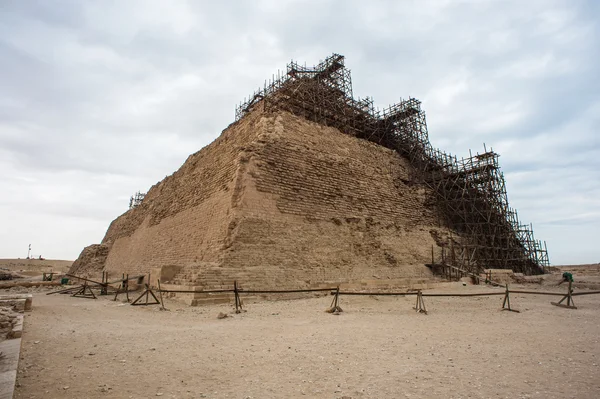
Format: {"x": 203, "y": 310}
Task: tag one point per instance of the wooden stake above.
{"x": 420, "y": 304}
{"x": 84, "y": 292}
{"x": 506, "y": 303}
{"x": 162, "y": 304}
{"x": 123, "y": 288}
{"x": 146, "y": 293}
{"x": 569, "y": 297}
{"x": 104, "y": 286}
{"x": 236, "y": 298}
{"x": 335, "y": 307}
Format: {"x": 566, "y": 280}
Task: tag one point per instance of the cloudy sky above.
{"x": 99, "y": 99}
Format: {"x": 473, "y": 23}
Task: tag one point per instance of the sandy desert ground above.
{"x": 377, "y": 348}
{"x": 33, "y": 267}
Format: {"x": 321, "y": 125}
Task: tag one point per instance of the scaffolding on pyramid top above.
{"x": 136, "y": 199}
{"x": 469, "y": 192}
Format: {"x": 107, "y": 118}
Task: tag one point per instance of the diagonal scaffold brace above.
{"x": 84, "y": 292}
{"x": 420, "y": 304}
{"x": 335, "y": 303}
{"x": 123, "y": 288}
{"x": 569, "y": 297}
{"x": 506, "y": 303}
{"x": 65, "y": 291}
{"x": 147, "y": 293}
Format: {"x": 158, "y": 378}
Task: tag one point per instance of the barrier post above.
{"x": 162, "y": 303}
{"x": 335, "y": 307}
{"x": 84, "y": 292}
{"x": 104, "y": 287}
{"x": 147, "y": 294}
{"x": 147, "y": 288}
{"x": 236, "y": 295}
{"x": 123, "y": 288}
{"x": 420, "y": 304}
{"x": 569, "y": 297}
{"x": 506, "y": 303}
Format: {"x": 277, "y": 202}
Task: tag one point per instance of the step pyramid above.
{"x": 309, "y": 188}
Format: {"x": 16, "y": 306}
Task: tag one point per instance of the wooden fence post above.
{"x": 162, "y": 303}
{"x": 335, "y": 307}
{"x": 420, "y": 304}
{"x": 569, "y": 297}
{"x": 506, "y": 303}
{"x": 236, "y": 295}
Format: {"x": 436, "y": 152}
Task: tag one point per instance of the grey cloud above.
{"x": 100, "y": 99}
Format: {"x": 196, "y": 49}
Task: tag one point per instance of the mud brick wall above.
{"x": 184, "y": 218}
{"x": 280, "y": 201}
{"x": 320, "y": 173}
{"x": 321, "y": 206}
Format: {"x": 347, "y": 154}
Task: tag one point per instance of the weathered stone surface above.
{"x": 277, "y": 201}
{"x": 91, "y": 260}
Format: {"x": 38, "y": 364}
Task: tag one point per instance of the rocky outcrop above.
{"x": 91, "y": 261}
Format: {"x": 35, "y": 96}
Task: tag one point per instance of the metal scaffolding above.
{"x": 136, "y": 200}
{"x": 469, "y": 192}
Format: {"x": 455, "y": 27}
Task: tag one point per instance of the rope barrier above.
{"x": 335, "y": 291}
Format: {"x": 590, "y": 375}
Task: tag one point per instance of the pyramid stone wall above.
{"x": 321, "y": 206}
{"x": 184, "y": 218}
{"x": 280, "y": 202}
